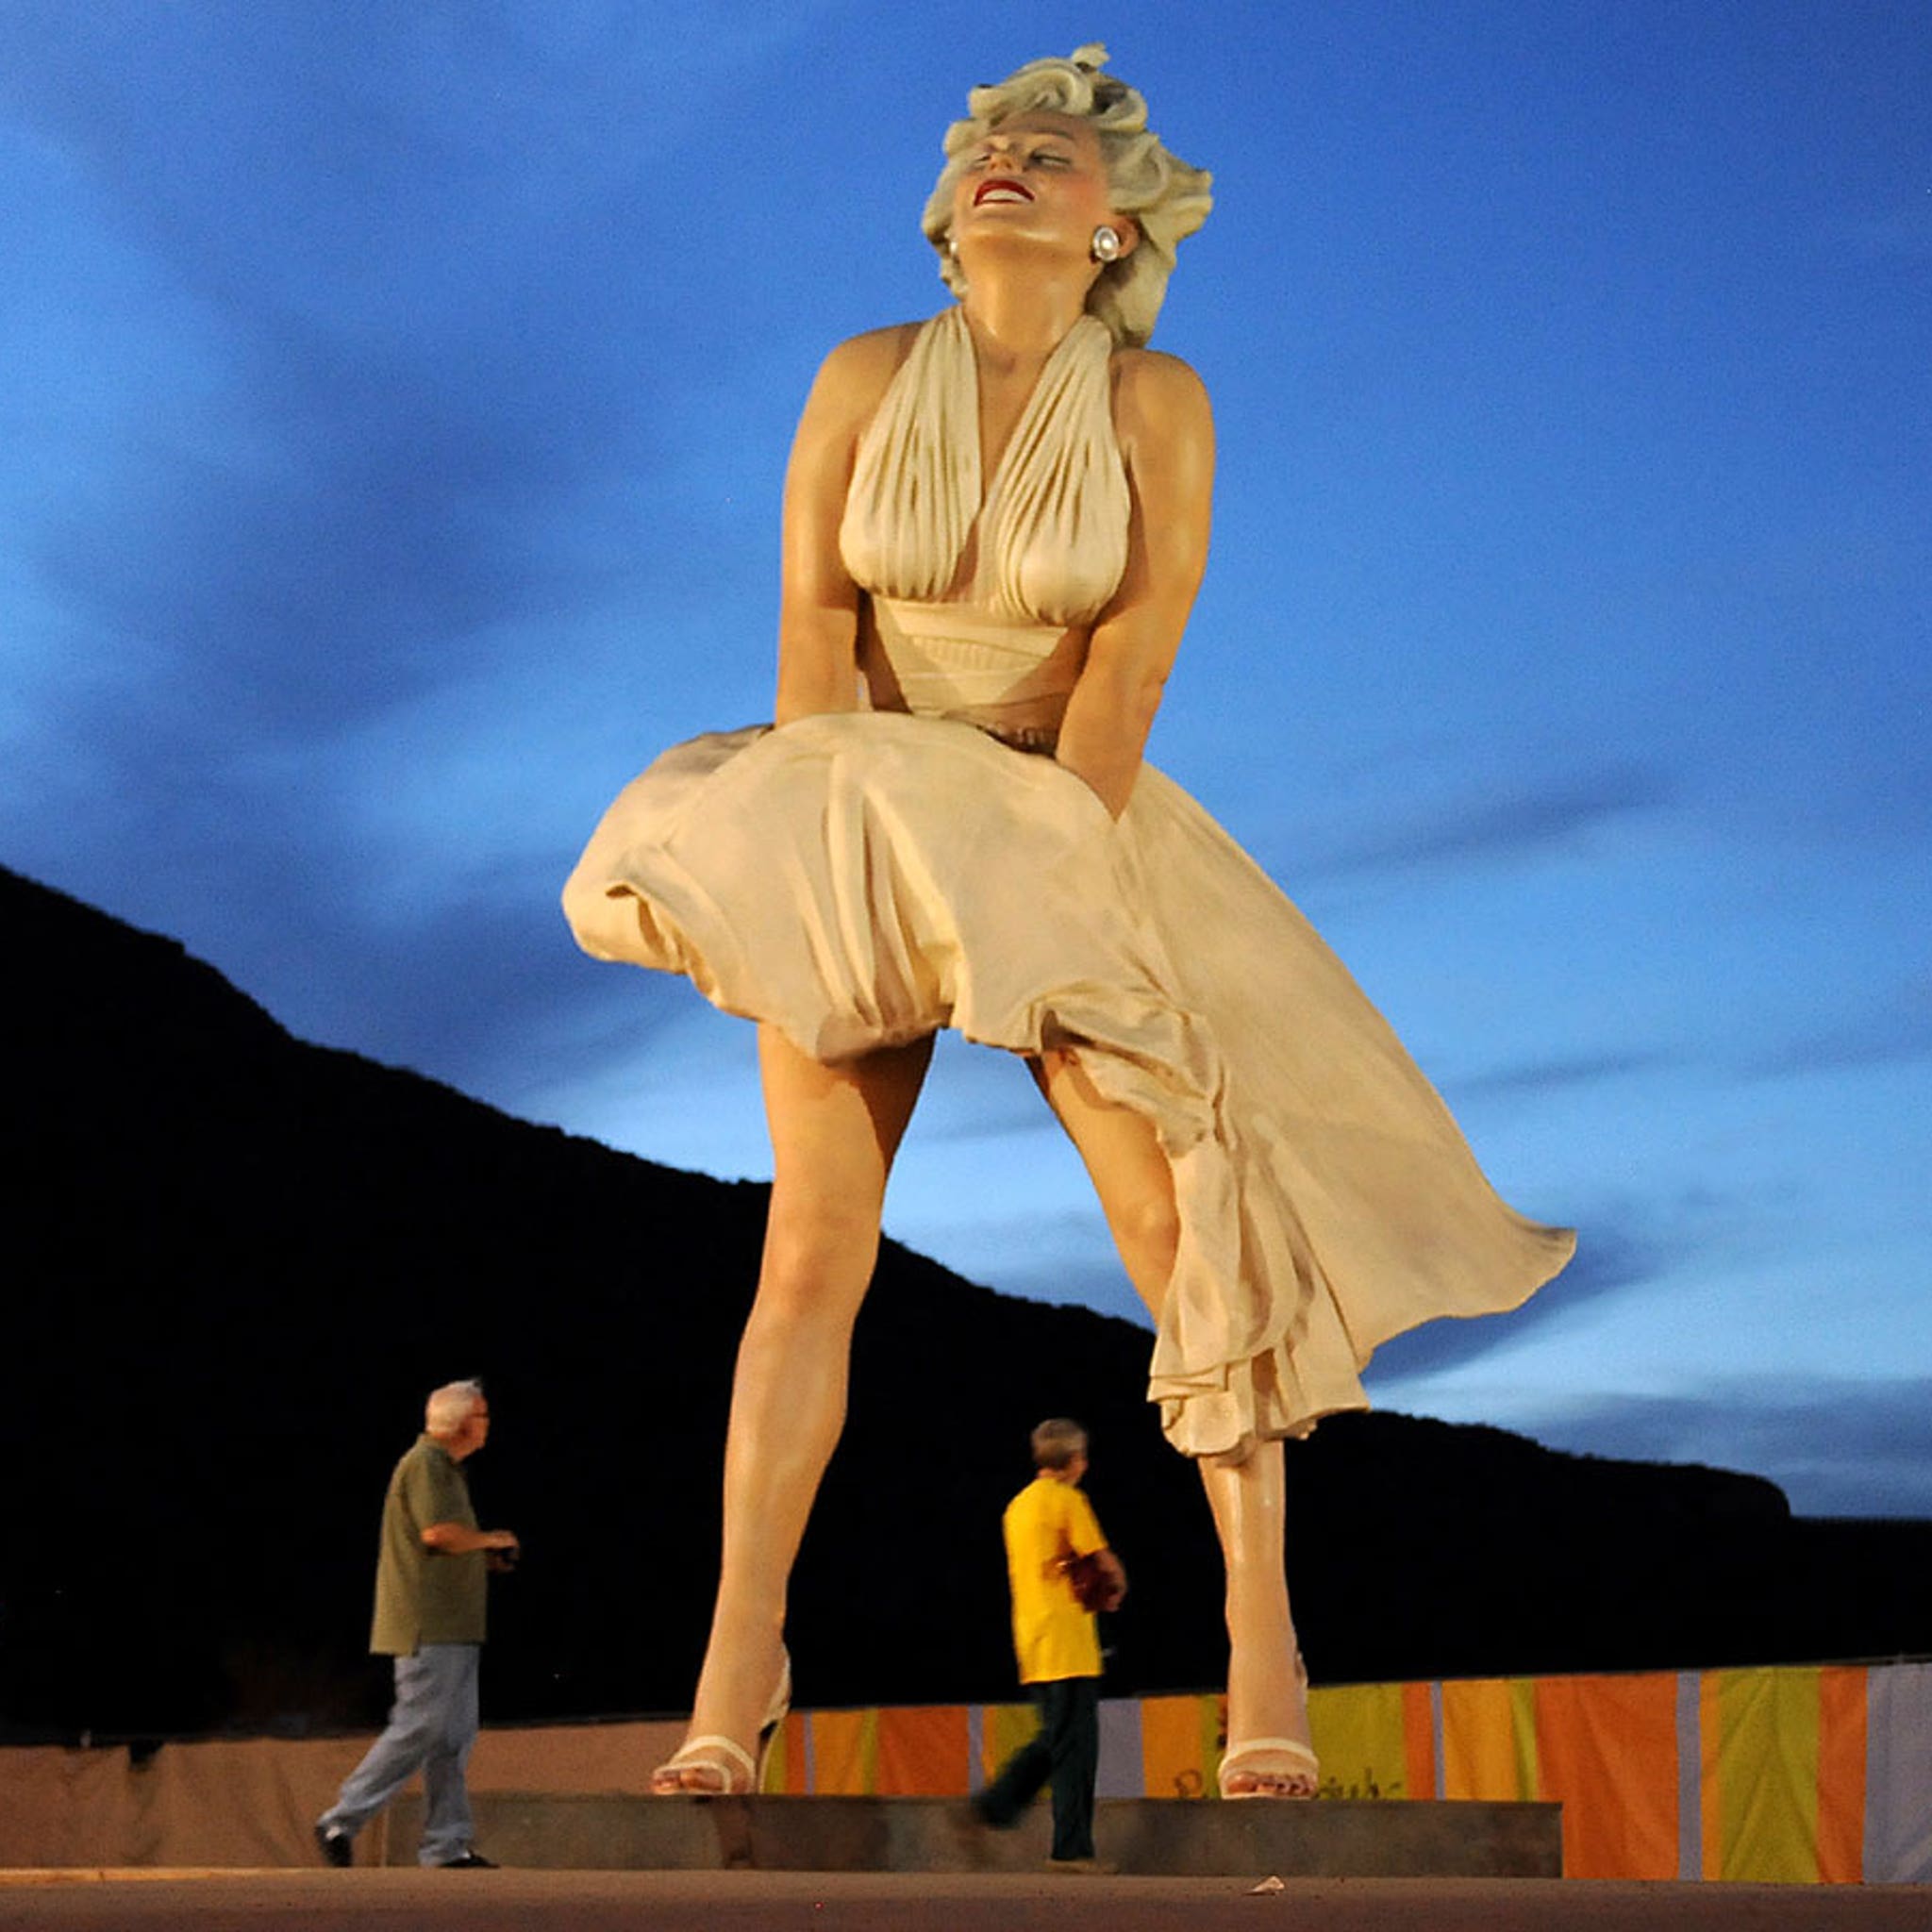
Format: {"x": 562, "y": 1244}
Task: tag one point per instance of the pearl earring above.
{"x": 1106, "y": 244}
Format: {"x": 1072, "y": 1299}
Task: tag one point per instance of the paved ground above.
{"x": 405, "y": 1901}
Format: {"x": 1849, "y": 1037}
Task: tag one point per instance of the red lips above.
{"x": 1001, "y": 183}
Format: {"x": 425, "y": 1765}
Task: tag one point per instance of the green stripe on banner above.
{"x": 1765, "y": 1774}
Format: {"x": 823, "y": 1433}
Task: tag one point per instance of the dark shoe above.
{"x": 470, "y": 1862}
{"x": 336, "y": 1845}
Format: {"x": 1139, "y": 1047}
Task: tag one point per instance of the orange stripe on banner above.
{"x": 1607, "y": 1750}
{"x": 1419, "y": 1739}
{"x": 1842, "y": 1774}
{"x": 923, "y": 1752}
{"x": 1172, "y": 1749}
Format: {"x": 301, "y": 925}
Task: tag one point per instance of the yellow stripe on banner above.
{"x": 1710, "y": 1790}
{"x": 1176, "y": 1755}
{"x": 1760, "y": 1775}
{"x": 845, "y": 1752}
{"x": 1003, "y": 1729}
{"x": 1489, "y": 1740}
{"x": 1363, "y": 1740}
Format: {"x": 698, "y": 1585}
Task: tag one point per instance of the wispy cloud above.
{"x": 379, "y": 445}
{"x": 1552, "y": 1076}
{"x": 1520, "y": 820}
{"x": 1834, "y": 1447}
{"x": 1893, "y": 1030}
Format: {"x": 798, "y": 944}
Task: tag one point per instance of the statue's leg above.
{"x": 835, "y": 1130}
{"x": 1124, "y": 1159}
{"x": 1266, "y": 1687}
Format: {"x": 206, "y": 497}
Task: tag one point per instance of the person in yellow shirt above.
{"x": 1050, "y": 1528}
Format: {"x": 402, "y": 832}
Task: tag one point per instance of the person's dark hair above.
{"x": 1056, "y": 1442}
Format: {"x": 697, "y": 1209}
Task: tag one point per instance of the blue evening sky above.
{"x": 394, "y": 399}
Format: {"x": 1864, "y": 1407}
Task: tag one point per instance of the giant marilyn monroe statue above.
{"x": 995, "y": 522}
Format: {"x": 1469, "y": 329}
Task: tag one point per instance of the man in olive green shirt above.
{"x": 430, "y": 1591}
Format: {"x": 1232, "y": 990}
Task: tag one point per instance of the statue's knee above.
{"x": 812, "y": 1259}
{"x": 1153, "y": 1230}
{"x": 1161, "y": 1221}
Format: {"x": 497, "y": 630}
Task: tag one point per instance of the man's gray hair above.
{"x": 449, "y": 1406}
{"x": 1056, "y": 1442}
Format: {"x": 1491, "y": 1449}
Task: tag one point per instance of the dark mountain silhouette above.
{"x": 232, "y": 1264}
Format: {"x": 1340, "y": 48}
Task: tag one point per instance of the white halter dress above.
{"x": 863, "y": 879}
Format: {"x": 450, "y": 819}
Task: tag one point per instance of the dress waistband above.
{"x": 948, "y": 658}
{"x": 960, "y": 661}
{"x": 966, "y": 624}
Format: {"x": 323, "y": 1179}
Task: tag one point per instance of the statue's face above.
{"x": 1038, "y": 177}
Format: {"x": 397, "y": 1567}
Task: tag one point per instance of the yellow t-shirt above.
{"x": 1053, "y": 1637}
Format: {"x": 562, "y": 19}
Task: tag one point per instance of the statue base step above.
{"x": 1323, "y": 1837}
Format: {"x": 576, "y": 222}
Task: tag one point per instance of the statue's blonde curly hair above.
{"x": 1168, "y": 199}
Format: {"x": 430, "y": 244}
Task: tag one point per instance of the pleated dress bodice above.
{"x": 980, "y": 590}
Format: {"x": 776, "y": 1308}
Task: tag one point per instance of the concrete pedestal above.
{"x": 1162, "y": 1838}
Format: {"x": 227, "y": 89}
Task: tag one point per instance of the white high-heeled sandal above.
{"x": 1302, "y": 1780}
{"x": 727, "y": 1769}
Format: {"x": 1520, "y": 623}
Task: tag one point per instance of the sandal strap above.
{"x": 1302, "y": 1768}
{"x": 1289, "y": 1747}
{"x": 707, "y": 1753}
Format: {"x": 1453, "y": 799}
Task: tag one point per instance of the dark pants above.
{"x": 1066, "y": 1749}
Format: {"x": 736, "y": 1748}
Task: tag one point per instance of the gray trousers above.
{"x": 431, "y": 1727}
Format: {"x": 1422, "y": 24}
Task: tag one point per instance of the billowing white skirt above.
{"x": 865, "y": 878}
